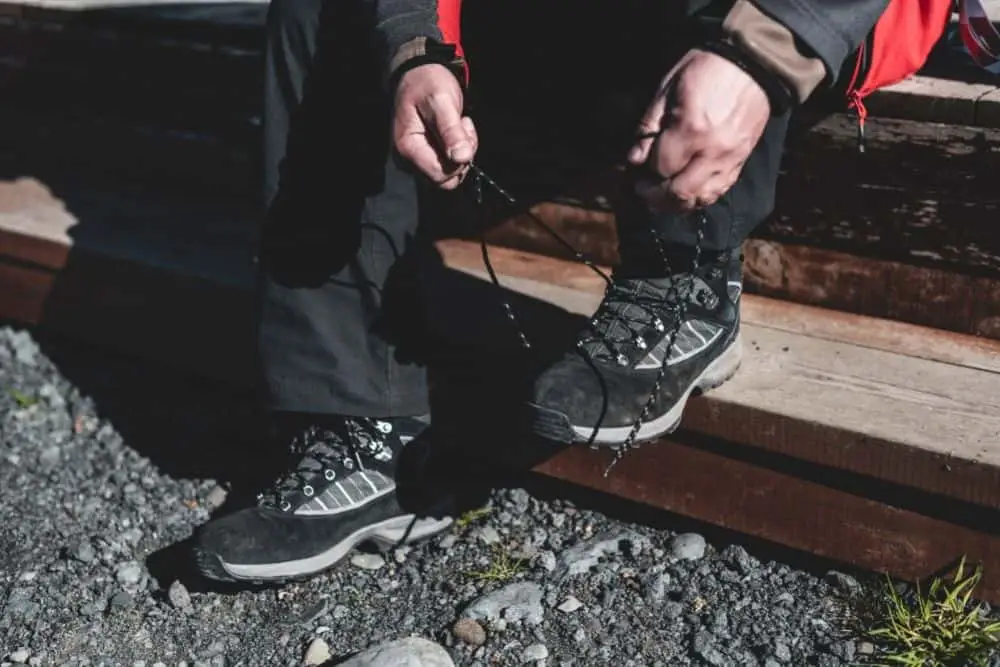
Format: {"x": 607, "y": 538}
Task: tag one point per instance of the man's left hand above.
{"x": 698, "y": 131}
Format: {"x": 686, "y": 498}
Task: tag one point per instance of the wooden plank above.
{"x": 197, "y": 325}
{"x": 136, "y": 274}
{"x": 914, "y": 422}
{"x": 891, "y": 336}
{"x": 920, "y": 295}
{"x": 679, "y": 476}
{"x": 929, "y": 297}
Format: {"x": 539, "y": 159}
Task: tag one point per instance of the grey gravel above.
{"x": 107, "y": 466}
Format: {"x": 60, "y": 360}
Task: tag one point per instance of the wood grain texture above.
{"x": 864, "y": 331}
{"x": 706, "y": 485}
{"x": 914, "y": 422}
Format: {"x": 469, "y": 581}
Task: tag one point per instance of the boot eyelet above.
{"x": 641, "y": 343}
{"x": 285, "y": 506}
{"x": 308, "y": 491}
{"x": 383, "y": 427}
{"x": 330, "y": 475}
{"x": 349, "y": 464}
{"x": 622, "y": 360}
{"x": 658, "y": 325}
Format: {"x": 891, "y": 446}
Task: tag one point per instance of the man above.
{"x": 365, "y": 107}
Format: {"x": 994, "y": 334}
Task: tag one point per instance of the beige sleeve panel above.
{"x": 774, "y": 46}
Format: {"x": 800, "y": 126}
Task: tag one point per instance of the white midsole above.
{"x": 385, "y": 533}
{"x": 721, "y": 369}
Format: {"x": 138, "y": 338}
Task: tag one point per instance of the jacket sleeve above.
{"x": 805, "y": 42}
{"x": 416, "y": 32}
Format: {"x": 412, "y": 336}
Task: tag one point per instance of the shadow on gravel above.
{"x": 191, "y": 428}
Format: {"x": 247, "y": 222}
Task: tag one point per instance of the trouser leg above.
{"x": 339, "y": 215}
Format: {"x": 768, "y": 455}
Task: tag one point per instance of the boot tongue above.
{"x": 630, "y": 306}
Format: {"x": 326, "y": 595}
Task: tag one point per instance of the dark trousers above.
{"x": 343, "y": 214}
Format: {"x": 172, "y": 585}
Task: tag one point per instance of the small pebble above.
{"x": 317, "y": 653}
{"x": 129, "y": 573}
{"x": 488, "y": 535}
{"x": 216, "y": 498}
{"x": 689, "y": 546}
{"x": 368, "y": 561}
{"x": 179, "y": 597}
{"x": 569, "y": 605}
{"x": 469, "y": 631}
{"x": 83, "y": 551}
{"x": 535, "y": 652}
{"x": 20, "y": 656}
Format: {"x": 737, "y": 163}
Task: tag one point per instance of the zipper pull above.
{"x": 862, "y": 113}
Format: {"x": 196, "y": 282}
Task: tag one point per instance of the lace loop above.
{"x": 319, "y": 450}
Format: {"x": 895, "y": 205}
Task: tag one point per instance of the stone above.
{"x": 317, "y": 653}
{"x": 469, "y": 631}
{"x": 407, "y": 652}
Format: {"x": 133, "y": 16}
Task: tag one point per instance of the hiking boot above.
{"x": 596, "y": 392}
{"x": 349, "y": 481}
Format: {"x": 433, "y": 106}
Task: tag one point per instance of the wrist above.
{"x": 423, "y": 51}
{"x": 779, "y": 95}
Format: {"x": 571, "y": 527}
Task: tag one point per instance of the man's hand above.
{"x": 429, "y": 129}
{"x": 698, "y": 132}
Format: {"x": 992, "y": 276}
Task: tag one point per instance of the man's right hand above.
{"x": 429, "y": 129}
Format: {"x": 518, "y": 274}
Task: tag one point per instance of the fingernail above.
{"x": 459, "y": 151}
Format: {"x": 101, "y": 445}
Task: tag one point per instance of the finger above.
{"x": 649, "y": 127}
{"x": 693, "y": 180}
{"x": 472, "y": 133}
{"x": 417, "y": 149}
{"x": 445, "y": 118}
{"x": 672, "y": 151}
{"x": 720, "y": 185}
{"x": 454, "y": 181}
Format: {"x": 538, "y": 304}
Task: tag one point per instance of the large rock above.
{"x": 408, "y": 652}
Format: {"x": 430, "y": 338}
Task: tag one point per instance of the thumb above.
{"x": 451, "y": 131}
{"x": 648, "y": 130}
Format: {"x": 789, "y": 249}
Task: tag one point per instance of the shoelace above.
{"x": 320, "y": 450}
{"x": 618, "y": 314}
{"x": 480, "y": 178}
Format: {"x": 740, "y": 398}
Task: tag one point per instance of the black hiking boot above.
{"x": 597, "y": 391}
{"x": 350, "y": 481}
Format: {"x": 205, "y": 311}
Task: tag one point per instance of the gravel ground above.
{"x": 106, "y": 466}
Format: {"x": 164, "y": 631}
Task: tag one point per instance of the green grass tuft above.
{"x": 943, "y": 628}
{"x": 503, "y": 567}
{"x": 23, "y": 400}
{"x": 470, "y": 517}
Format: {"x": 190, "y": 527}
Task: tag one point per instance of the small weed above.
{"x": 939, "y": 629}
{"x": 470, "y": 517}
{"x": 23, "y": 400}
{"x": 502, "y": 567}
